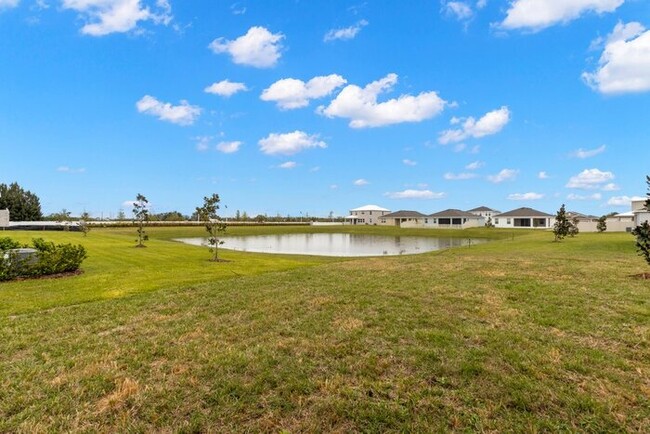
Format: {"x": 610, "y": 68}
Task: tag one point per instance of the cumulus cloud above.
{"x": 288, "y": 165}
{"x": 610, "y": 187}
{"x": 525, "y": 196}
{"x": 258, "y": 48}
{"x": 361, "y": 107}
{"x": 415, "y": 194}
{"x": 408, "y": 162}
{"x": 590, "y": 179}
{"x": 623, "y": 200}
{"x": 104, "y": 17}
{"x": 183, "y": 114}
{"x": 624, "y": 66}
{"x": 346, "y": 33}
{"x": 460, "y": 10}
{"x": 475, "y": 165}
{"x": 542, "y": 175}
{"x": 229, "y": 147}
{"x": 290, "y": 93}
{"x": 225, "y": 88}
{"x": 504, "y": 175}
{"x": 459, "y": 176}
{"x": 587, "y": 153}
{"x": 289, "y": 143}
{"x": 490, "y": 123}
{"x": 537, "y": 15}
{"x": 360, "y": 182}
{"x": 595, "y": 196}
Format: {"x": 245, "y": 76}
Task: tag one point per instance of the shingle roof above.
{"x": 453, "y": 213}
{"x": 524, "y": 212}
{"x": 370, "y": 208}
{"x": 404, "y": 214}
{"x": 482, "y": 208}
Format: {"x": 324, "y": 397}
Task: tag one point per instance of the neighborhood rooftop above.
{"x": 404, "y": 214}
{"x": 524, "y": 212}
{"x": 481, "y": 208}
{"x": 370, "y": 208}
{"x": 453, "y": 213}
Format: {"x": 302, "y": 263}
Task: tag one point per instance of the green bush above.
{"x": 7, "y": 243}
{"x": 50, "y": 259}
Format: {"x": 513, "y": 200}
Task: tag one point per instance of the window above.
{"x": 426, "y": 221}
{"x": 496, "y": 221}
{"x": 370, "y": 213}
{"x": 508, "y": 221}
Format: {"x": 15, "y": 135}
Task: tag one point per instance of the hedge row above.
{"x": 49, "y": 259}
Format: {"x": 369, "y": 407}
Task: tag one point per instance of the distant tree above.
{"x": 141, "y": 215}
{"x": 642, "y": 232}
{"x": 260, "y": 218}
{"x": 213, "y": 223}
{"x": 83, "y": 223}
{"x": 237, "y": 216}
{"x": 244, "y": 216}
{"x": 601, "y": 226}
{"x": 562, "y": 224}
{"x": 488, "y": 223}
{"x": 171, "y": 216}
{"x": 120, "y": 215}
{"x": 23, "y": 205}
{"x": 573, "y": 229}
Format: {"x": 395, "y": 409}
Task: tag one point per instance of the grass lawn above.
{"x": 517, "y": 335}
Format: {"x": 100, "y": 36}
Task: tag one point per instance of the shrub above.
{"x": 7, "y": 243}
{"x": 50, "y": 259}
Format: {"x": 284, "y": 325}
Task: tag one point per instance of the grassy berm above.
{"x": 521, "y": 334}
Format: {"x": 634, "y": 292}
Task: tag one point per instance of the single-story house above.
{"x": 454, "y": 218}
{"x": 365, "y": 215}
{"x": 586, "y": 223}
{"x": 524, "y": 218}
{"x": 403, "y": 219}
{"x": 484, "y": 211}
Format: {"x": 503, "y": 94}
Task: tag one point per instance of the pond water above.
{"x": 335, "y": 244}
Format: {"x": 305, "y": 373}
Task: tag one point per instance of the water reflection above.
{"x": 336, "y": 244}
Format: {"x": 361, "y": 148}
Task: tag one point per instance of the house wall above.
{"x": 4, "y": 218}
{"x": 638, "y": 205}
{"x": 369, "y": 217}
{"x": 412, "y": 223}
{"x": 509, "y": 222}
{"x": 620, "y": 224}
{"x": 466, "y": 222}
{"x": 642, "y": 217}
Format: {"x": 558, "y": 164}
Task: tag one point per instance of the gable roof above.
{"x": 454, "y": 213}
{"x": 482, "y": 208}
{"x": 404, "y": 214}
{"x": 524, "y": 212}
{"x": 370, "y": 208}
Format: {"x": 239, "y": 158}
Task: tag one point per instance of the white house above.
{"x": 641, "y": 213}
{"x": 484, "y": 211}
{"x": 454, "y": 218}
{"x": 403, "y": 219}
{"x": 524, "y": 218}
{"x": 4, "y": 218}
{"x": 366, "y": 215}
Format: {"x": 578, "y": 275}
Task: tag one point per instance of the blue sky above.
{"x": 314, "y": 106}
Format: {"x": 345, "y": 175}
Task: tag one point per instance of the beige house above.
{"x": 454, "y": 218}
{"x": 403, "y": 219}
{"x": 524, "y": 218}
{"x": 641, "y": 213}
{"x": 4, "y": 218}
{"x": 484, "y": 211}
{"x": 365, "y": 215}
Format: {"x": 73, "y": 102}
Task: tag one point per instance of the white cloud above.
{"x": 543, "y": 175}
{"x": 525, "y": 196}
{"x": 289, "y": 143}
{"x": 415, "y": 194}
{"x": 104, "y": 17}
{"x": 475, "y": 165}
{"x": 480, "y": 4}
{"x": 539, "y": 14}
{"x": 288, "y": 165}
{"x": 345, "y": 33}
{"x": 361, "y": 106}
{"x": 458, "y": 9}
{"x": 624, "y": 66}
{"x": 408, "y": 162}
{"x": 229, "y": 147}
{"x": 360, "y": 182}
{"x": 183, "y": 114}
{"x": 8, "y": 4}
{"x": 623, "y": 200}
{"x": 491, "y": 123}
{"x": 258, "y": 47}
{"x": 225, "y": 88}
{"x": 590, "y": 179}
{"x": 587, "y": 153}
{"x": 67, "y": 169}
{"x": 595, "y": 196}
{"x": 459, "y": 176}
{"x": 290, "y": 93}
{"x": 610, "y": 187}
{"x": 504, "y": 175}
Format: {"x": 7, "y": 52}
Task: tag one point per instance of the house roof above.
{"x": 579, "y": 215}
{"x": 524, "y": 212}
{"x": 370, "y": 208}
{"x": 404, "y": 214}
{"x": 482, "y": 208}
{"x": 454, "y": 213}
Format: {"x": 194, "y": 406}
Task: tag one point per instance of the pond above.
{"x": 336, "y": 244}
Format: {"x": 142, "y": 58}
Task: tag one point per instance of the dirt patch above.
{"x": 643, "y": 276}
{"x": 124, "y": 390}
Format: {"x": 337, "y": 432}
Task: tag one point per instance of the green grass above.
{"x": 517, "y": 335}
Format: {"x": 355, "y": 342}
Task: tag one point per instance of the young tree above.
{"x": 562, "y": 224}
{"x": 141, "y": 215}
{"x": 573, "y": 229}
{"x": 213, "y": 223}
{"x": 83, "y": 223}
{"x": 488, "y": 223}
{"x": 601, "y": 226}
{"x": 642, "y": 232}
{"x": 120, "y": 215}
{"x": 23, "y": 205}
